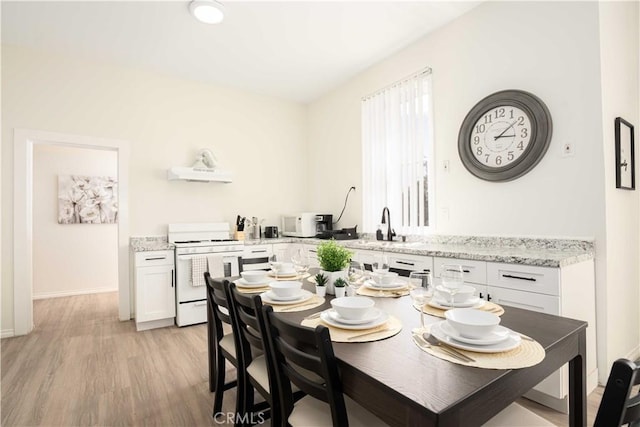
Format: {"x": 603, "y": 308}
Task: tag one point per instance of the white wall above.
{"x": 553, "y": 50}
{"x": 619, "y": 320}
{"x": 260, "y": 139}
{"x": 70, "y": 259}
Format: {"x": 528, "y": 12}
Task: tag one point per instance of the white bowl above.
{"x": 256, "y": 276}
{"x": 285, "y": 289}
{"x": 352, "y": 308}
{"x": 384, "y": 277}
{"x": 285, "y": 268}
{"x": 463, "y": 294}
{"x": 471, "y": 323}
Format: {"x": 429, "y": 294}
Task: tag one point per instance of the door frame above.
{"x": 24, "y": 141}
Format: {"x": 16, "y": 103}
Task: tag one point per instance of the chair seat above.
{"x": 309, "y": 411}
{"x": 516, "y": 415}
{"x": 228, "y": 345}
{"x": 258, "y": 371}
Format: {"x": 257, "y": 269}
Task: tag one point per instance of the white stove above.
{"x": 201, "y": 247}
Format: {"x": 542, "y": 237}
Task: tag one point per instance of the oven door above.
{"x": 185, "y": 291}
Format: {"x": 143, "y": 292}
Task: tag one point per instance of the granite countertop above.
{"x": 542, "y": 252}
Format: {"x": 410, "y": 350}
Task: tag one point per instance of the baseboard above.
{"x": 7, "y": 333}
{"x": 46, "y": 295}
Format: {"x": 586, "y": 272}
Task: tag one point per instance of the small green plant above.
{"x": 333, "y": 257}
{"x": 321, "y": 279}
{"x": 340, "y": 283}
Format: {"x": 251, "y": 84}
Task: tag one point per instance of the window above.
{"x": 397, "y": 149}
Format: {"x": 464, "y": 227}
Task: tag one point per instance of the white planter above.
{"x": 321, "y": 290}
{"x": 340, "y": 292}
{"x": 332, "y": 276}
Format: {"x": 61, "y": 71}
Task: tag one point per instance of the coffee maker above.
{"x": 324, "y": 224}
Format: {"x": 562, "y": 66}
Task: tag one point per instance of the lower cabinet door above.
{"x": 155, "y": 293}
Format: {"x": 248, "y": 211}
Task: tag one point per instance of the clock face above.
{"x": 504, "y": 135}
{"x": 501, "y": 136}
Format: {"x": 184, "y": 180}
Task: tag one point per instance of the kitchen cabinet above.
{"x": 154, "y": 282}
{"x": 403, "y": 264}
{"x": 256, "y": 257}
{"x": 475, "y": 273}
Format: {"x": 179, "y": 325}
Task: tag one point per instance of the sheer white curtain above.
{"x": 397, "y": 155}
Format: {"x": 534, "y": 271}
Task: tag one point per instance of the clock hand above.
{"x": 503, "y": 136}
{"x": 506, "y": 129}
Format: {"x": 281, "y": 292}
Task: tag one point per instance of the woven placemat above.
{"x": 390, "y": 328}
{"x": 313, "y": 302}
{"x": 437, "y": 312}
{"x": 368, "y": 292}
{"x": 528, "y": 353}
{"x": 259, "y": 290}
{"x": 296, "y": 277}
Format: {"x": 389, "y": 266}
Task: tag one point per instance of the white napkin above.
{"x": 198, "y": 267}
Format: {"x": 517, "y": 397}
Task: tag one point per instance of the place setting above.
{"x": 295, "y": 270}
{"x": 473, "y": 337}
{"x": 253, "y": 282}
{"x": 288, "y": 296}
{"x": 355, "y": 319}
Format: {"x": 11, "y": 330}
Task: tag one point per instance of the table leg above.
{"x": 578, "y": 385}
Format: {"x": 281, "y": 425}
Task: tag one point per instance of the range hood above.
{"x": 198, "y": 174}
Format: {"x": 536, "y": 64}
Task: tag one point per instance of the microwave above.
{"x": 300, "y": 225}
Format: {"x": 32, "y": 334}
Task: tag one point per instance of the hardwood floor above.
{"x": 81, "y": 366}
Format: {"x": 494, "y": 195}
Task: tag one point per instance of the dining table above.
{"x": 406, "y": 386}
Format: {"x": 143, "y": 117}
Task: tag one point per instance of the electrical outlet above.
{"x": 567, "y": 149}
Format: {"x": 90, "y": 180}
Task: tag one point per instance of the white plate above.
{"x": 390, "y": 287}
{"x": 244, "y": 284}
{"x": 475, "y": 302}
{"x": 375, "y": 313}
{"x": 326, "y": 317}
{"x": 513, "y": 340}
{"x": 274, "y": 297}
{"x": 305, "y": 295}
{"x": 499, "y": 334}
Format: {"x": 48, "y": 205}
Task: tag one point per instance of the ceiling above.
{"x": 295, "y": 50}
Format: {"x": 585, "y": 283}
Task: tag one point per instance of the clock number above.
{"x": 486, "y": 158}
{"x": 500, "y": 113}
{"x": 476, "y": 140}
{"x": 521, "y": 145}
{"x": 511, "y": 113}
{"x": 498, "y": 160}
{"x": 524, "y": 132}
{"x": 480, "y": 128}
{"x": 487, "y": 118}
{"x": 520, "y": 121}
{"x": 510, "y": 156}
{"x": 479, "y": 151}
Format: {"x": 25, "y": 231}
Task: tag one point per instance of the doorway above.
{"x": 24, "y": 141}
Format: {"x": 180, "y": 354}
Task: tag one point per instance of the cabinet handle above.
{"x": 489, "y": 297}
{"x": 466, "y": 271}
{"x": 313, "y": 250}
{"x": 172, "y": 276}
{"x": 511, "y": 276}
{"x": 258, "y": 251}
{"x": 405, "y": 263}
{"x": 155, "y": 258}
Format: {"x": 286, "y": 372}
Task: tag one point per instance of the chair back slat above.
{"x": 304, "y": 357}
{"x": 618, "y": 406}
{"x": 217, "y": 295}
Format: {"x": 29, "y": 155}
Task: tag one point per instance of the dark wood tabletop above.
{"x": 406, "y": 386}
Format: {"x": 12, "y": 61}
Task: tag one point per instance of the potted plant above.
{"x": 321, "y": 281}
{"x": 334, "y": 260}
{"x": 340, "y": 287}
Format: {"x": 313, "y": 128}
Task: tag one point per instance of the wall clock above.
{"x": 505, "y": 135}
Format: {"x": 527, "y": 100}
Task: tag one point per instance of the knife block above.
{"x": 238, "y": 235}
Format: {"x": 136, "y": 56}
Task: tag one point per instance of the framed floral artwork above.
{"x": 87, "y": 199}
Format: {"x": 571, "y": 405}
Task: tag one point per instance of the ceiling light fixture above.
{"x": 207, "y": 11}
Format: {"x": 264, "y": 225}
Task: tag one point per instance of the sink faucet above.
{"x": 387, "y": 220}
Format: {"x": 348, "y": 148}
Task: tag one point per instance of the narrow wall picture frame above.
{"x": 625, "y": 155}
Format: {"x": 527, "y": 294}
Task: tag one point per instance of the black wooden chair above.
{"x": 222, "y": 346}
{"x": 253, "y": 370}
{"x": 620, "y": 404}
{"x": 304, "y": 357}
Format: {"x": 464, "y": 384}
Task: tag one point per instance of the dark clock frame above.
{"x": 541, "y": 131}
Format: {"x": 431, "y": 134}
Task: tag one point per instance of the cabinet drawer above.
{"x": 408, "y": 263}
{"x": 542, "y": 280}
{"x": 526, "y": 300}
{"x": 257, "y": 251}
{"x": 191, "y": 313}
{"x": 152, "y": 258}
{"x": 474, "y": 271}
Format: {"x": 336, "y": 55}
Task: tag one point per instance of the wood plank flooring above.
{"x": 81, "y": 366}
